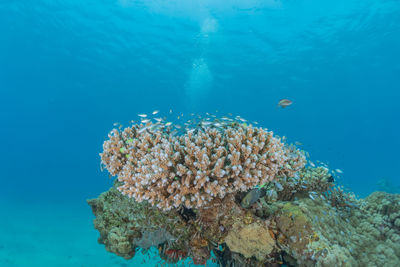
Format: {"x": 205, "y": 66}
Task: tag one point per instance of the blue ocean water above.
{"x": 70, "y": 69}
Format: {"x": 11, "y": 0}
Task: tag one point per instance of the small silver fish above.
{"x": 168, "y": 123}
{"x": 311, "y": 164}
{"x": 155, "y": 112}
{"x": 141, "y": 130}
{"x": 283, "y": 103}
{"x": 145, "y": 121}
{"x": 339, "y": 171}
{"x": 155, "y": 126}
{"x": 142, "y": 115}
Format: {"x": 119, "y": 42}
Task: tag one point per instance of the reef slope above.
{"x": 300, "y": 232}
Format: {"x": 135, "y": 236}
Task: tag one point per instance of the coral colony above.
{"x": 198, "y": 166}
{"x": 221, "y": 188}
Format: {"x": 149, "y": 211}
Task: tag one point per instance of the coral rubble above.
{"x": 182, "y": 195}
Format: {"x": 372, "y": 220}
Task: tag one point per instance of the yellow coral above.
{"x": 251, "y": 240}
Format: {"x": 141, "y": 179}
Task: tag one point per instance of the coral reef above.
{"x": 301, "y": 232}
{"x": 197, "y": 166}
{"x": 272, "y": 211}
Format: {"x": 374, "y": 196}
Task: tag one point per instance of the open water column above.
{"x": 252, "y": 133}
{"x": 199, "y": 83}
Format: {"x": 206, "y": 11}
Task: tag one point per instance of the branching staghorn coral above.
{"x": 197, "y": 166}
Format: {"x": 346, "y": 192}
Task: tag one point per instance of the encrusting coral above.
{"x": 197, "y": 166}
{"x": 251, "y": 240}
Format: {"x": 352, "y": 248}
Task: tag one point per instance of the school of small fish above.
{"x": 210, "y": 120}
{"x": 194, "y": 123}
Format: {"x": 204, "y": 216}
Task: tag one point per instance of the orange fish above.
{"x": 283, "y": 103}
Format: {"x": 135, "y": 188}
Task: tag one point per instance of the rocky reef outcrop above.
{"x": 304, "y": 221}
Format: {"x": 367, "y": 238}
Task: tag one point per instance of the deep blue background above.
{"x": 70, "y": 69}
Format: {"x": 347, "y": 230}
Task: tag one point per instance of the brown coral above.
{"x": 194, "y": 168}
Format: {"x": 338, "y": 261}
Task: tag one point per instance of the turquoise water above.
{"x": 70, "y": 69}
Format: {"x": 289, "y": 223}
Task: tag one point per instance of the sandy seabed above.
{"x": 56, "y": 234}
